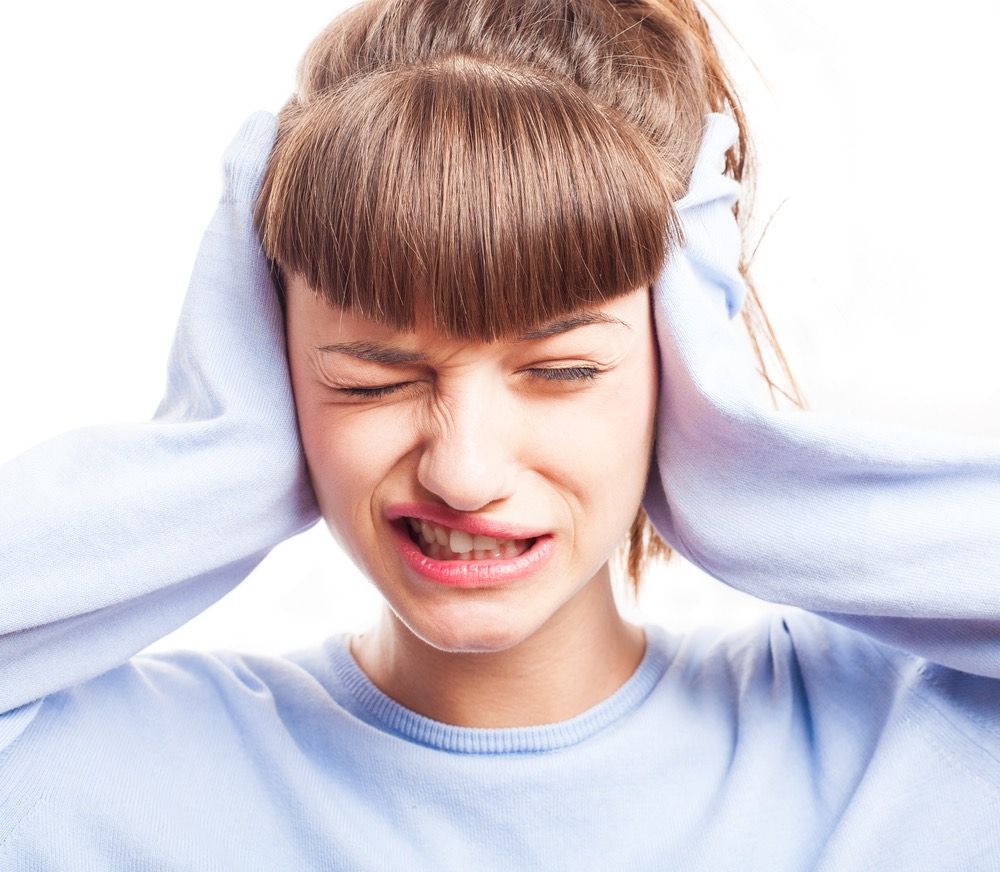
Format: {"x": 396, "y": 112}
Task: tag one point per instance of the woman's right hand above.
{"x": 112, "y": 536}
{"x": 228, "y": 371}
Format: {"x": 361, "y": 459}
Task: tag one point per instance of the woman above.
{"x": 508, "y": 269}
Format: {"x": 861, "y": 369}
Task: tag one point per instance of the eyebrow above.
{"x": 390, "y": 355}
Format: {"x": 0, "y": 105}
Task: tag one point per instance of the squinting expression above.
{"x": 552, "y": 433}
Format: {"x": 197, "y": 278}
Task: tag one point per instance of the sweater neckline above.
{"x": 385, "y": 712}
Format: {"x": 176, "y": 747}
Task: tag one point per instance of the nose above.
{"x": 469, "y": 457}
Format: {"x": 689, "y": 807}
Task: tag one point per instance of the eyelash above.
{"x": 564, "y": 373}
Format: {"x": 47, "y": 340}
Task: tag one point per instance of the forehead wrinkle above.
{"x": 390, "y": 355}
{"x": 571, "y": 322}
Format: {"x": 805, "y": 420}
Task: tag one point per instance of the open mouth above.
{"x": 439, "y": 544}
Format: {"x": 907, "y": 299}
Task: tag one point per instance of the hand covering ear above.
{"x": 113, "y": 536}
{"x": 890, "y": 531}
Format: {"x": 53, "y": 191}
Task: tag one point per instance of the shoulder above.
{"x": 224, "y": 684}
{"x": 788, "y": 651}
{"x": 853, "y": 677}
{"x": 95, "y": 756}
{"x": 830, "y": 672}
{"x": 171, "y": 698}
{"x": 802, "y": 683}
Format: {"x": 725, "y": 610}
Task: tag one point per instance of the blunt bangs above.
{"x": 480, "y": 198}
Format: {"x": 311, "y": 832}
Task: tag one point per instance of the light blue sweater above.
{"x": 860, "y": 731}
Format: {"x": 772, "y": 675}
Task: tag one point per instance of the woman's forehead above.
{"x": 614, "y": 324}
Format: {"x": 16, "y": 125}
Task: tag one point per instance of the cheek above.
{"x": 619, "y": 439}
{"x": 596, "y": 453}
{"x": 345, "y": 462}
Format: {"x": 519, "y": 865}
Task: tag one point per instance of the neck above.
{"x": 578, "y": 658}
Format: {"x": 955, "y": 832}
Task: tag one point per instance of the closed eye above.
{"x": 566, "y": 373}
{"x": 563, "y": 373}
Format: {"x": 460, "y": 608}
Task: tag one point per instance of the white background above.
{"x": 874, "y": 125}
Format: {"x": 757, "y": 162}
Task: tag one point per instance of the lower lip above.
{"x": 471, "y": 573}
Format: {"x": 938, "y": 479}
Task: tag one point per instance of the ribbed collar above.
{"x": 385, "y": 712}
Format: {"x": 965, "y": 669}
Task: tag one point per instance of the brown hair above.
{"x": 500, "y": 162}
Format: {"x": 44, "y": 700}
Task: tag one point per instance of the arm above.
{"x": 113, "y": 536}
{"x": 891, "y": 532}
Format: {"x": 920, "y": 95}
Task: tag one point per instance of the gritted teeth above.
{"x": 444, "y": 543}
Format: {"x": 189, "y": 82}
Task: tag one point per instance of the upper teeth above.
{"x": 457, "y": 540}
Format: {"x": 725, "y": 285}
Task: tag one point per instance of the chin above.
{"x": 468, "y": 628}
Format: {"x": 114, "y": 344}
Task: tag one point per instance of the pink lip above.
{"x": 471, "y": 524}
{"x": 471, "y": 573}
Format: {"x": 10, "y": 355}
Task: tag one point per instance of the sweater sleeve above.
{"x": 113, "y": 536}
{"x": 890, "y": 531}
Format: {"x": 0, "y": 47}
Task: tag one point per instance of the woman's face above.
{"x": 475, "y": 428}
